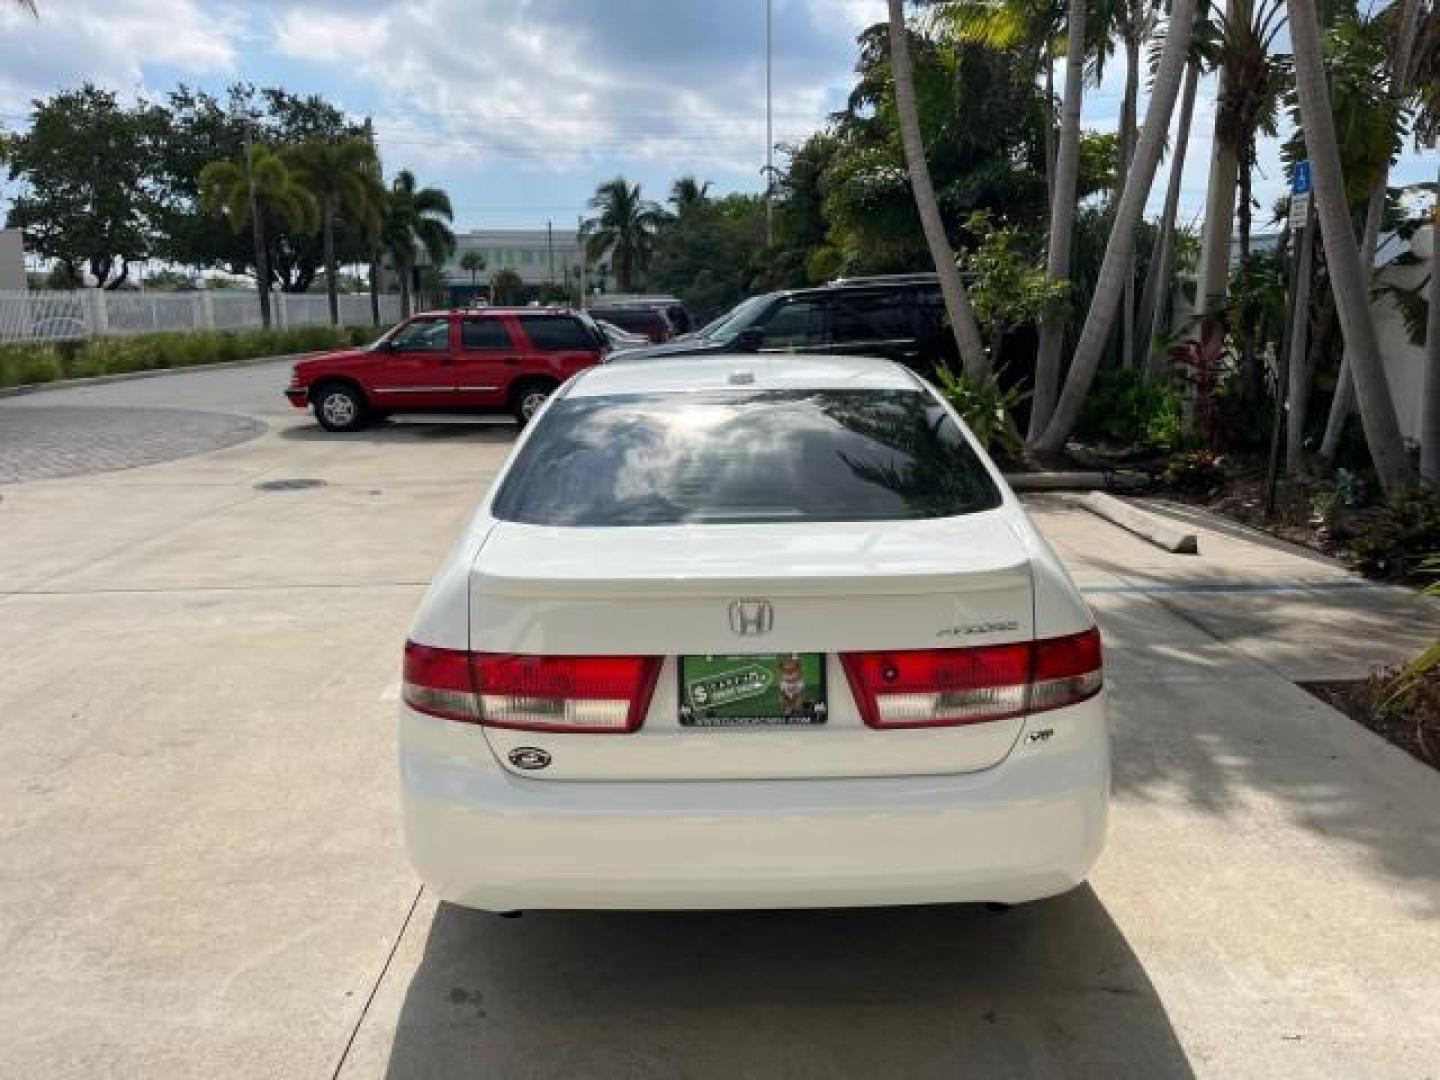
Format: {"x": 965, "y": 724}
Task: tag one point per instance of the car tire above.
{"x": 528, "y": 397}
{"x": 339, "y": 407}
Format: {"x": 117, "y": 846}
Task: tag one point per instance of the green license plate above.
{"x": 775, "y": 690}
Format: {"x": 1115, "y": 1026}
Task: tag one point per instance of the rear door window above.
{"x": 761, "y": 456}
{"x": 870, "y": 317}
{"x": 555, "y": 333}
{"x": 484, "y": 334}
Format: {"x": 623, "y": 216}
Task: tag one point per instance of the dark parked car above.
{"x": 899, "y": 317}
{"x": 650, "y": 322}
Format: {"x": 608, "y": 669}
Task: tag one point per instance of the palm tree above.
{"x": 473, "y": 263}
{"x": 1343, "y": 403}
{"x": 1430, "y": 386}
{"x": 1120, "y": 248}
{"x": 245, "y": 192}
{"x": 688, "y": 194}
{"x": 1062, "y": 221}
{"x": 340, "y": 175}
{"x": 1342, "y": 256}
{"x": 415, "y": 218}
{"x": 625, "y": 227}
{"x": 957, "y": 302}
{"x": 1154, "y": 302}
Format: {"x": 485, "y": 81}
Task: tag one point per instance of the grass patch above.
{"x": 24, "y": 363}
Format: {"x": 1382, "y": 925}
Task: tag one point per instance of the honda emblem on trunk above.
{"x": 751, "y": 618}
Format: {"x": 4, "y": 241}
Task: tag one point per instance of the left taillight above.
{"x": 593, "y": 694}
{"x": 951, "y": 687}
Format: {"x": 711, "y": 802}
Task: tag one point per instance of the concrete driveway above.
{"x": 201, "y": 874}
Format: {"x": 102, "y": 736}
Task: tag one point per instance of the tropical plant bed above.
{"x": 1412, "y": 722}
{"x": 1342, "y": 517}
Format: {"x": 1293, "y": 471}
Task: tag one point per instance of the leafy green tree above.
{"x": 89, "y": 200}
{"x": 245, "y": 192}
{"x": 710, "y": 254}
{"x": 340, "y": 176}
{"x": 624, "y": 228}
{"x": 1007, "y": 288}
{"x": 505, "y": 286}
{"x": 415, "y": 218}
{"x": 473, "y": 263}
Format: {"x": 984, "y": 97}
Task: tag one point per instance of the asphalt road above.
{"x": 201, "y": 872}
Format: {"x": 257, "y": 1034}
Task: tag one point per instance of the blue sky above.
{"x": 517, "y": 107}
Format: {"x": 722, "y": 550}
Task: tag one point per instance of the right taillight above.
{"x": 594, "y": 694}
{"x": 950, "y": 687}
{"x": 1066, "y": 670}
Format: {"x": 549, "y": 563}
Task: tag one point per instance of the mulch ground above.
{"x": 1417, "y": 735}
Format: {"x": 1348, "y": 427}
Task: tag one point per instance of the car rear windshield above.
{"x": 756, "y": 456}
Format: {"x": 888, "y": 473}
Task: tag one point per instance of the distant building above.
{"x": 541, "y": 257}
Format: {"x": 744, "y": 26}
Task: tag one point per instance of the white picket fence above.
{"x": 56, "y": 316}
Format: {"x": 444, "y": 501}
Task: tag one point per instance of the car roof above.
{"x": 495, "y": 309}
{"x": 743, "y": 371}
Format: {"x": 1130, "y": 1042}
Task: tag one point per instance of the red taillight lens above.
{"x": 597, "y": 694}
{"x": 934, "y": 687}
{"x": 947, "y": 687}
{"x": 437, "y": 681}
{"x": 1066, "y": 670}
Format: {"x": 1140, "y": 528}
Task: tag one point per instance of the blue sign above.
{"x": 1301, "y": 184}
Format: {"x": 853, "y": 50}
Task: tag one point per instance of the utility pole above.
{"x": 257, "y": 227}
{"x": 550, "y": 253}
{"x": 769, "y": 126}
{"x": 580, "y": 251}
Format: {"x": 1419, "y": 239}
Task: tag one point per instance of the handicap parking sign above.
{"x": 1301, "y": 184}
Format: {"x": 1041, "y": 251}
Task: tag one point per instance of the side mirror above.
{"x": 748, "y": 340}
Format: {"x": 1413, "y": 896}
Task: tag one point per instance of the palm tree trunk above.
{"x": 1155, "y": 302}
{"x": 1430, "y": 388}
{"x": 1377, "y": 409}
{"x": 1062, "y": 222}
{"x": 1245, "y": 314}
{"x": 1301, "y": 368}
{"x": 262, "y": 266}
{"x": 1048, "y": 59}
{"x": 403, "y": 267}
{"x": 1219, "y": 224}
{"x": 957, "y": 301}
{"x": 1343, "y": 403}
{"x": 375, "y": 286}
{"x": 1120, "y": 248}
{"x": 1127, "y": 155}
{"x": 332, "y": 289}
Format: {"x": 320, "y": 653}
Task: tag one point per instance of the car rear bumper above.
{"x": 1028, "y": 828}
{"x": 298, "y": 396}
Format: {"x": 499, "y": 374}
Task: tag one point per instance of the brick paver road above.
{"x": 44, "y": 442}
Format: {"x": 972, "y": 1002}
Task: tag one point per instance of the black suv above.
{"x": 900, "y": 317}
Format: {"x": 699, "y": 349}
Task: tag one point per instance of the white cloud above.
{"x": 550, "y": 84}
{"x": 108, "y": 42}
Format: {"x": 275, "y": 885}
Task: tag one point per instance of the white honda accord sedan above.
{"x": 751, "y": 632}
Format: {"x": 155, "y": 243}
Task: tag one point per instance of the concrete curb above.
{"x": 150, "y": 373}
{"x": 1146, "y": 526}
{"x": 1056, "y": 481}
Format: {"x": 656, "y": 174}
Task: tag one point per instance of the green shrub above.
{"x": 986, "y": 407}
{"x": 1122, "y": 407}
{"x": 22, "y": 364}
{"x": 35, "y": 362}
{"x": 1197, "y": 474}
{"x": 1393, "y": 539}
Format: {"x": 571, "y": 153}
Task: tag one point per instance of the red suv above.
{"x": 487, "y": 360}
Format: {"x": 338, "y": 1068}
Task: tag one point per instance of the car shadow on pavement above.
{"x": 496, "y": 431}
{"x": 1047, "y": 989}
